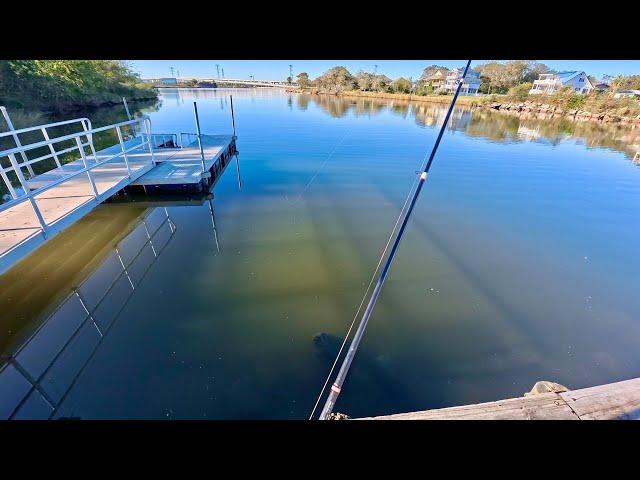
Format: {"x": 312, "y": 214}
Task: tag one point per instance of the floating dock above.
{"x": 45, "y": 204}
{"x": 620, "y": 401}
{"x": 180, "y": 169}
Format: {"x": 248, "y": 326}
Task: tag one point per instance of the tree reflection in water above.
{"x": 495, "y": 126}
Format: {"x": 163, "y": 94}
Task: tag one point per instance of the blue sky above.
{"x": 279, "y": 69}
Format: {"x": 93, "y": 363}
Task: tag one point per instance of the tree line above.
{"x": 58, "y": 85}
{"x": 512, "y": 77}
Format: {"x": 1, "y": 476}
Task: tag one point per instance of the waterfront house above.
{"x": 627, "y": 93}
{"x": 470, "y": 83}
{"x": 437, "y": 80}
{"x": 550, "y": 83}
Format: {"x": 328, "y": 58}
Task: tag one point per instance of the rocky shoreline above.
{"x": 526, "y": 108}
{"x": 545, "y": 110}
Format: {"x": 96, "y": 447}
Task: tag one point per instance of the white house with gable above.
{"x": 550, "y": 83}
{"x": 470, "y": 83}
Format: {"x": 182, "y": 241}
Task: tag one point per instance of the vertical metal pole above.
{"x": 86, "y": 125}
{"x": 233, "y": 117}
{"x": 7, "y": 182}
{"x": 27, "y": 192}
{"x": 84, "y": 161}
{"x": 51, "y": 149}
{"x": 126, "y": 160}
{"x": 147, "y": 124}
{"x": 126, "y": 107}
{"x": 195, "y": 110}
{"x": 7, "y": 119}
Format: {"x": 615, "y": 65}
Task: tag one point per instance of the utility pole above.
{"x": 172, "y": 72}
{"x": 218, "y": 70}
{"x": 375, "y": 69}
{"x": 222, "y": 72}
{"x": 290, "y": 73}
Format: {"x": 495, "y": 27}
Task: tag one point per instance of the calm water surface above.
{"x": 520, "y": 264}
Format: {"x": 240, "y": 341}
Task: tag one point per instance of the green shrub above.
{"x": 520, "y": 92}
{"x": 576, "y": 101}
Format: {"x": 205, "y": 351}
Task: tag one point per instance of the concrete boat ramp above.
{"x": 48, "y": 193}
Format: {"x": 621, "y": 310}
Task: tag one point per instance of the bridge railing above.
{"x": 82, "y": 140}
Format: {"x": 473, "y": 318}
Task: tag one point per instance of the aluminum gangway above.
{"x": 54, "y": 181}
{"x": 48, "y": 192}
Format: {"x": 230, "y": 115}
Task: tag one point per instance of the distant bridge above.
{"x": 184, "y": 81}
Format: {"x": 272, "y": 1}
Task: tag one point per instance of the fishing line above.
{"x": 373, "y": 276}
{"x": 297, "y": 199}
{"x": 357, "y": 338}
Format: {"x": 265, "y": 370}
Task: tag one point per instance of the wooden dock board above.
{"x": 620, "y": 400}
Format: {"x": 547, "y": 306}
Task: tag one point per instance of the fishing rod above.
{"x": 357, "y": 337}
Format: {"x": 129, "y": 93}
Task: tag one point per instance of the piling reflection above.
{"x": 39, "y": 374}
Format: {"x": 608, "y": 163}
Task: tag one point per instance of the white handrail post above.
{"x": 51, "y": 149}
{"x": 27, "y": 191}
{"x": 84, "y": 161}
{"x": 86, "y": 125}
{"x": 147, "y": 124}
{"x": 195, "y": 109}
{"x": 7, "y": 119}
{"x": 126, "y": 160}
{"x": 7, "y": 182}
{"x": 126, "y": 107}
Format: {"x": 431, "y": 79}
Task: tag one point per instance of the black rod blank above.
{"x": 357, "y": 337}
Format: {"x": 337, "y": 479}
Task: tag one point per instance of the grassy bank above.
{"x": 463, "y": 100}
{"x": 55, "y": 86}
{"x": 600, "y": 107}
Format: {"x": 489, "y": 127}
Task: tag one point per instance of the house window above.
{"x": 581, "y": 79}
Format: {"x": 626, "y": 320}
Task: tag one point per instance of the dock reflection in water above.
{"x": 37, "y": 377}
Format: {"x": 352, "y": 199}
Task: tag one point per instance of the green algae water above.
{"x": 519, "y": 264}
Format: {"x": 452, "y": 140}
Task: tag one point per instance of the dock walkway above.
{"x": 620, "y": 400}
{"x": 61, "y": 196}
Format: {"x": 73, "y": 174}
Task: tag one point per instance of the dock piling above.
{"x": 126, "y": 107}
{"x": 233, "y": 117}
{"x": 195, "y": 110}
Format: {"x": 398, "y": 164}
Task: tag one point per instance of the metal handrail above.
{"x": 46, "y": 157}
{"x": 88, "y": 133}
{"x": 48, "y": 125}
{"x": 33, "y": 146}
{"x": 38, "y": 191}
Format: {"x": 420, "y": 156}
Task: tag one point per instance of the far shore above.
{"x": 501, "y": 103}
